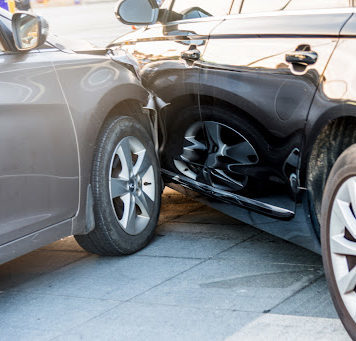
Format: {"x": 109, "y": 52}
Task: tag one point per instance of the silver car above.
{"x": 77, "y": 145}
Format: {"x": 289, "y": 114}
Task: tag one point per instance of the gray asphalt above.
{"x": 204, "y": 277}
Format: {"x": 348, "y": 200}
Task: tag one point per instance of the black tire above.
{"x": 108, "y": 237}
{"x": 343, "y": 169}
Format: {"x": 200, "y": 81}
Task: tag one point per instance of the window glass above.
{"x": 5, "y": 27}
{"x": 6, "y": 21}
{"x": 166, "y": 4}
{"x": 235, "y": 9}
{"x": 192, "y": 9}
{"x": 255, "y": 6}
{"x": 315, "y": 4}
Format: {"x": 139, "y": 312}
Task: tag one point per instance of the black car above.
{"x": 262, "y": 117}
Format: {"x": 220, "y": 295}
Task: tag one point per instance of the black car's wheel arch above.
{"x": 266, "y": 140}
{"x": 189, "y": 100}
{"x": 330, "y": 136}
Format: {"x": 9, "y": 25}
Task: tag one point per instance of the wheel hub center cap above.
{"x": 132, "y": 185}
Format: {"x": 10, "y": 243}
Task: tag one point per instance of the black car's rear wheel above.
{"x": 338, "y": 237}
{"x": 126, "y": 189}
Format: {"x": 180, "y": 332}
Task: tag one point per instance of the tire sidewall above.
{"x": 341, "y": 172}
{"x": 114, "y": 132}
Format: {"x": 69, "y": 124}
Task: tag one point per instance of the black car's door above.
{"x": 167, "y": 54}
{"x": 39, "y": 172}
{"x": 259, "y": 73}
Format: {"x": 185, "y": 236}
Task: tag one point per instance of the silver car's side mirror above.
{"x": 29, "y": 31}
{"x": 137, "y": 12}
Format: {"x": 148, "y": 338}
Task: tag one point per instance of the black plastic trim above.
{"x": 250, "y": 204}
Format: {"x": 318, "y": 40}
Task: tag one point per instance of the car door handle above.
{"x": 191, "y": 54}
{"x": 304, "y": 58}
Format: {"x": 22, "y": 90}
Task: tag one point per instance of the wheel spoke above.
{"x": 351, "y": 188}
{"x": 343, "y": 212}
{"x": 240, "y": 153}
{"x": 142, "y": 164}
{"x": 340, "y": 245}
{"x": 129, "y": 213}
{"x": 212, "y": 160}
{"x": 193, "y": 151}
{"x": 195, "y": 144}
{"x": 348, "y": 282}
{"x": 145, "y": 203}
{"x": 213, "y": 131}
{"x": 124, "y": 152}
{"x": 118, "y": 187}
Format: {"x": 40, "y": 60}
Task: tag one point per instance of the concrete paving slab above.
{"x": 231, "y": 284}
{"x": 207, "y": 215}
{"x": 25, "y": 334}
{"x": 314, "y": 301}
{"x": 271, "y": 249}
{"x": 231, "y": 232}
{"x": 133, "y": 321}
{"x": 187, "y": 246}
{"x": 47, "y": 313}
{"x": 271, "y": 327}
{"x": 61, "y": 291}
{"x": 32, "y": 265}
{"x": 173, "y": 211}
{"x": 119, "y": 278}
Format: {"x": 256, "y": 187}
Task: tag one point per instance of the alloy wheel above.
{"x": 214, "y": 153}
{"x": 132, "y": 185}
{"x": 343, "y": 243}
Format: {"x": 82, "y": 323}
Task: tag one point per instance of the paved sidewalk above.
{"x": 204, "y": 277}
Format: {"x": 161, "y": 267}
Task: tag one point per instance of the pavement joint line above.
{"x": 166, "y": 280}
{"x": 70, "y": 296}
{"x": 198, "y": 223}
{"x": 238, "y": 243}
{"x": 127, "y": 301}
{"x": 181, "y": 215}
{"x": 44, "y": 273}
{"x": 276, "y": 263}
{"x": 92, "y": 318}
{"x": 195, "y": 307}
{"x": 155, "y": 304}
{"x": 296, "y": 292}
{"x": 197, "y": 235}
{"x": 172, "y": 257}
{"x": 199, "y": 258}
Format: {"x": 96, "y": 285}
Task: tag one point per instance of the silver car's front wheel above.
{"x": 126, "y": 185}
{"x": 132, "y": 185}
{"x": 338, "y": 237}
